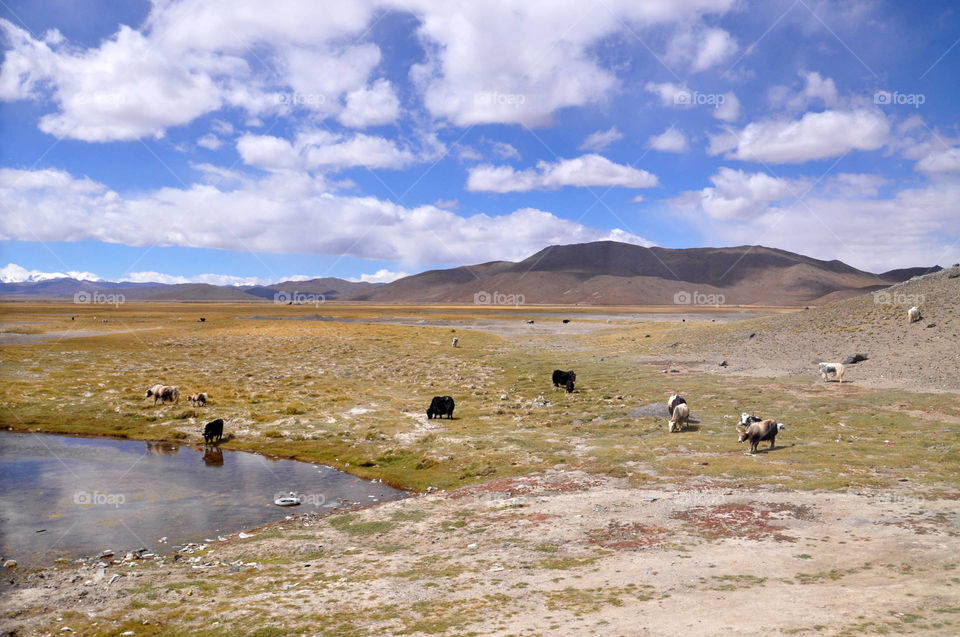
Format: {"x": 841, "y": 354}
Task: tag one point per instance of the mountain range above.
{"x": 597, "y": 273}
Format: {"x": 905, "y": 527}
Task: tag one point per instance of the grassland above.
{"x": 352, "y": 394}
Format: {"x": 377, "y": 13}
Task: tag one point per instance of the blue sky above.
{"x": 242, "y": 142}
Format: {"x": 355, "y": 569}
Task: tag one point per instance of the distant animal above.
{"x": 679, "y": 418}
{"x": 561, "y": 378}
{"x": 154, "y": 390}
{"x": 198, "y": 400}
{"x": 913, "y": 314}
{"x": 566, "y": 320}
{"x": 673, "y": 401}
{"x": 163, "y": 393}
{"x": 757, "y": 432}
{"x": 836, "y": 369}
{"x": 529, "y": 321}
{"x": 440, "y": 406}
{"x": 213, "y": 430}
{"x": 202, "y": 319}
{"x": 746, "y": 420}
{"x": 455, "y": 342}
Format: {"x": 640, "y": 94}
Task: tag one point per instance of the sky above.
{"x": 246, "y": 142}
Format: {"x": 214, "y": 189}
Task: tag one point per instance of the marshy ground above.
{"x": 554, "y": 513}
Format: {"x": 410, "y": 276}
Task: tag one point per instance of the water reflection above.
{"x": 65, "y": 496}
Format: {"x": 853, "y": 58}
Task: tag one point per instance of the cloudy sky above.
{"x": 249, "y": 141}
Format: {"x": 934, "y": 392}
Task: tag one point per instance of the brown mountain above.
{"x": 612, "y": 273}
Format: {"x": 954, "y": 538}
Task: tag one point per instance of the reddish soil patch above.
{"x": 741, "y": 521}
{"x": 617, "y": 535}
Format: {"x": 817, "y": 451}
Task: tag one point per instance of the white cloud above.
{"x": 814, "y": 136}
{"x": 519, "y": 63}
{"x": 601, "y": 139}
{"x": 831, "y": 222}
{"x": 944, "y": 161}
{"x": 729, "y": 110}
{"x": 700, "y": 48}
{"x": 371, "y": 106}
{"x": 483, "y": 63}
{"x": 211, "y": 279}
{"x": 505, "y": 150}
{"x": 583, "y": 171}
{"x": 13, "y": 273}
{"x": 816, "y": 88}
{"x": 322, "y": 149}
{"x": 210, "y": 142}
{"x": 380, "y": 276}
{"x": 854, "y": 185}
{"x": 283, "y": 212}
{"x": 668, "y": 92}
{"x": 671, "y": 140}
{"x": 738, "y": 195}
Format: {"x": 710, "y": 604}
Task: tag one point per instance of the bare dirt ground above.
{"x": 921, "y": 356}
{"x": 559, "y": 553}
{"x": 556, "y": 513}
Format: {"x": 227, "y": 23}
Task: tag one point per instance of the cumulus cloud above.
{"x": 601, "y": 139}
{"x": 729, "y": 109}
{"x": 583, "y": 171}
{"x": 738, "y": 195}
{"x": 322, "y": 149}
{"x": 380, "y": 276}
{"x": 13, "y": 273}
{"x": 671, "y": 140}
{"x": 284, "y": 212}
{"x": 814, "y": 136}
{"x": 944, "y": 161}
{"x": 210, "y": 142}
{"x": 832, "y": 221}
{"x": 371, "y": 106}
{"x": 211, "y": 279}
{"x": 511, "y": 63}
{"x": 482, "y": 63}
{"x": 701, "y": 48}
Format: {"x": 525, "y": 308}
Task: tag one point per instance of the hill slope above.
{"x": 918, "y": 356}
{"x": 612, "y": 273}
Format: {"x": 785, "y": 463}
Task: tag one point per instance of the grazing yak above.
{"x": 757, "y": 432}
{"x": 673, "y": 401}
{"x": 747, "y": 419}
{"x": 679, "y": 419}
{"x": 837, "y": 369}
{"x": 213, "y": 430}
{"x": 163, "y": 393}
{"x": 198, "y": 400}
{"x": 564, "y": 379}
{"x": 913, "y": 314}
{"x": 455, "y": 342}
{"x": 440, "y": 406}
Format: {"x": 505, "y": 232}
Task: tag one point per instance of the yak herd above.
{"x": 750, "y": 428}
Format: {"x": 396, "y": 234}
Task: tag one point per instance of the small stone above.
{"x": 10, "y": 564}
{"x": 723, "y": 363}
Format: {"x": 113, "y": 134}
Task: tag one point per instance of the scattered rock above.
{"x": 723, "y": 363}
{"x": 752, "y": 334}
{"x": 10, "y": 564}
{"x": 931, "y": 324}
{"x": 646, "y": 336}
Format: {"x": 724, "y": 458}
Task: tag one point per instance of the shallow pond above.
{"x": 62, "y": 496}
